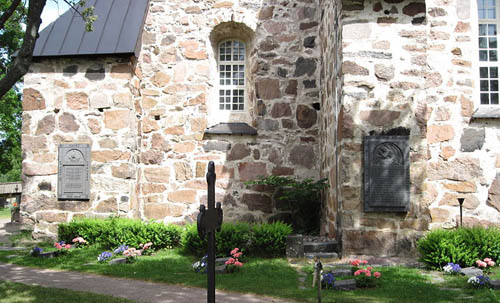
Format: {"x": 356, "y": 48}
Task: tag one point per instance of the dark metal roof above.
{"x": 117, "y": 30}
{"x": 231, "y": 129}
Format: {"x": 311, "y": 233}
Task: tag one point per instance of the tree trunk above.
{"x": 6, "y": 15}
{"x": 24, "y": 57}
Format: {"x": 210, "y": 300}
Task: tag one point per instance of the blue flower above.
{"x": 328, "y": 280}
{"x": 36, "y": 251}
{"x": 104, "y": 256}
{"x": 121, "y": 249}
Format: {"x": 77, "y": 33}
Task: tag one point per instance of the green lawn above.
{"x": 273, "y": 277}
{"x": 16, "y": 292}
{"x": 5, "y": 213}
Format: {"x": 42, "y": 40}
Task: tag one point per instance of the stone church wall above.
{"x": 78, "y": 101}
{"x": 385, "y": 80}
{"x": 415, "y": 65}
{"x": 146, "y": 117}
{"x": 331, "y": 94}
{"x": 463, "y": 150}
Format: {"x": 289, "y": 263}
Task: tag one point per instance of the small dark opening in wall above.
{"x": 387, "y": 12}
{"x": 398, "y": 131}
{"x": 100, "y": 110}
{"x": 317, "y": 106}
{"x": 56, "y": 110}
{"x": 157, "y": 118}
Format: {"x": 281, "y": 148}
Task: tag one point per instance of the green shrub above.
{"x": 462, "y": 246}
{"x": 254, "y": 240}
{"x": 303, "y": 200}
{"x": 116, "y": 231}
{"x": 270, "y": 239}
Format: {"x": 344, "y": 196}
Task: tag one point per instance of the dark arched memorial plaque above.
{"x": 74, "y": 172}
{"x": 386, "y": 174}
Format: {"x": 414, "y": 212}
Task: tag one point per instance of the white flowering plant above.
{"x": 479, "y": 281}
{"x": 452, "y": 269}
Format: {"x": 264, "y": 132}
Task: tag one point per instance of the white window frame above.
{"x": 237, "y": 91}
{"x": 488, "y": 80}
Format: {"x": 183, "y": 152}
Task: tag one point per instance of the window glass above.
{"x": 232, "y": 75}
{"x": 488, "y": 52}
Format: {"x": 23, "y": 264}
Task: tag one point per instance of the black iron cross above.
{"x": 209, "y": 221}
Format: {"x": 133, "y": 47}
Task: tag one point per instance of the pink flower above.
{"x": 491, "y": 263}
{"x": 377, "y": 274}
{"x": 234, "y": 251}
{"x": 57, "y": 245}
{"x": 487, "y": 260}
{"x": 79, "y": 240}
{"x": 482, "y": 264}
{"x": 355, "y": 262}
{"x": 364, "y": 262}
{"x": 237, "y": 255}
{"x": 357, "y": 272}
{"x": 67, "y": 246}
{"x": 238, "y": 263}
{"x": 368, "y": 274}
{"x": 230, "y": 261}
{"x": 369, "y": 268}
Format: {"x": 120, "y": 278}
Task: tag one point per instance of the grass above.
{"x": 272, "y": 277}
{"x": 16, "y": 292}
{"x": 5, "y": 213}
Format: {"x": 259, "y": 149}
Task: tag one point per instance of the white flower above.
{"x": 448, "y": 269}
{"x": 473, "y": 280}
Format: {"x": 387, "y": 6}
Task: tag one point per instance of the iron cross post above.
{"x": 210, "y": 220}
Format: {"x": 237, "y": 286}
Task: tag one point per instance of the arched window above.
{"x": 231, "y": 66}
{"x": 488, "y": 11}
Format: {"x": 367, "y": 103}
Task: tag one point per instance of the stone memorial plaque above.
{"x": 73, "y": 179}
{"x": 386, "y": 174}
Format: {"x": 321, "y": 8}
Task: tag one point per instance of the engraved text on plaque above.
{"x": 386, "y": 174}
{"x": 74, "y": 172}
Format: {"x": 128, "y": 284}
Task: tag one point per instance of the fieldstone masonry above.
{"x": 145, "y": 117}
{"x": 321, "y": 75}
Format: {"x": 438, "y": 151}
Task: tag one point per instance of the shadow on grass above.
{"x": 273, "y": 277}
{"x": 11, "y": 292}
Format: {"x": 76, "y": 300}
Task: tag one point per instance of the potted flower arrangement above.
{"x": 234, "y": 264}
{"x": 131, "y": 254}
{"x": 452, "y": 269}
{"x": 62, "y": 247}
{"x": 479, "y": 282}
{"x": 485, "y": 264}
{"x": 327, "y": 280}
{"x": 146, "y": 249}
{"x": 104, "y": 257}
{"x": 363, "y": 275}
{"x": 79, "y": 242}
{"x": 201, "y": 266}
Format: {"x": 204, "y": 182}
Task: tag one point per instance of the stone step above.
{"x": 322, "y": 255}
{"x": 312, "y": 247}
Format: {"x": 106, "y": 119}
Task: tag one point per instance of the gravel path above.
{"x": 137, "y": 290}
{"x": 141, "y": 291}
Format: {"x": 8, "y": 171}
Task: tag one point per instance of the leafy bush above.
{"x": 461, "y": 246}
{"x": 116, "y": 231}
{"x": 270, "y": 239}
{"x": 303, "y": 199}
{"x": 254, "y": 240}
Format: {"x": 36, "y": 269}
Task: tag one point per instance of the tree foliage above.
{"x": 30, "y": 12}
{"x": 10, "y": 109}
{"x": 14, "y": 37}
